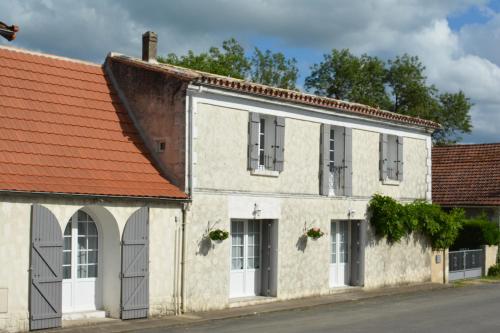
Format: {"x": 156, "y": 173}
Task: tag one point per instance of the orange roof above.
{"x": 64, "y": 130}
{"x": 466, "y": 175}
{"x": 289, "y": 96}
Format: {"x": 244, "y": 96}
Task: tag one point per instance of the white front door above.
{"x": 339, "y": 258}
{"x": 245, "y": 258}
{"x": 80, "y": 264}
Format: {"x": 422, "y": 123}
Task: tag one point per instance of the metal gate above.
{"x": 135, "y": 266}
{"x": 45, "y": 270}
{"x": 465, "y": 264}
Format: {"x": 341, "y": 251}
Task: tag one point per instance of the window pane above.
{"x": 66, "y": 272}
{"x": 237, "y": 264}
{"x": 251, "y": 263}
{"x": 82, "y": 257}
{"x": 92, "y": 230}
{"x": 92, "y": 271}
{"x": 67, "y": 231}
{"x": 92, "y": 243}
{"x": 67, "y": 243}
{"x": 82, "y": 243}
{"x": 82, "y": 228}
{"x": 67, "y": 258}
{"x": 82, "y": 216}
{"x": 92, "y": 257}
{"x": 82, "y": 271}
{"x": 237, "y": 251}
{"x": 332, "y": 133}
{"x": 332, "y": 145}
{"x": 332, "y": 156}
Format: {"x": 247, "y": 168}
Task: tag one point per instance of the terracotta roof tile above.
{"x": 229, "y": 83}
{"x": 466, "y": 175}
{"x": 64, "y": 130}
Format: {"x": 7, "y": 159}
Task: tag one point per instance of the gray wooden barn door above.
{"x": 45, "y": 270}
{"x": 135, "y": 266}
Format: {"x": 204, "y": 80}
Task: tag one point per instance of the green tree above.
{"x": 230, "y": 61}
{"x": 398, "y": 85}
{"x": 266, "y": 67}
{"x": 344, "y": 76}
{"x": 274, "y": 69}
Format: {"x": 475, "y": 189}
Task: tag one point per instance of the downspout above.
{"x": 183, "y": 260}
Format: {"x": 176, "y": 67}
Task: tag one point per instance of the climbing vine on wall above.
{"x": 394, "y": 221}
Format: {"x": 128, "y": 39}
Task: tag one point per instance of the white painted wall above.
{"x": 165, "y": 220}
{"x": 225, "y": 189}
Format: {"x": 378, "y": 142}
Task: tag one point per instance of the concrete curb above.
{"x": 302, "y": 304}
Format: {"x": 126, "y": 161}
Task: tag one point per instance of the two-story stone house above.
{"x": 267, "y": 164}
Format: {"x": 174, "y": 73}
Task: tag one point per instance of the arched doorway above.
{"x": 81, "y": 264}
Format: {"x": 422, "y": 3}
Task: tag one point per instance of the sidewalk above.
{"x": 346, "y": 295}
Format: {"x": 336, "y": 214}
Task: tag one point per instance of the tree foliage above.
{"x": 397, "y": 85}
{"x": 265, "y": 67}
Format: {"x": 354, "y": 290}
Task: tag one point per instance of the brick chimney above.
{"x": 149, "y": 46}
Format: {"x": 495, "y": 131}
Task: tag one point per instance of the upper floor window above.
{"x": 336, "y": 161}
{"x": 391, "y": 157}
{"x": 266, "y": 138}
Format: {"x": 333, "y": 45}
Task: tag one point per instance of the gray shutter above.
{"x": 253, "y": 141}
{"x": 348, "y": 162}
{"x": 383, "y": 156}
{"x": 279, "y": 145}
{"x": 357, "y": 250}
{"x": 400, "y": 158}
{"x": 269, "y": 251}
{"x": 324, "y": 160}
{"x": 135, "y": 266}
{"x": 45, "y": 270}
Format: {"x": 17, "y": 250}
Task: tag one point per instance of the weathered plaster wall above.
{"x": 391, "y": 264}
{"x": 157, "y": 102}
{"x": 221, "y": 158}
{"x": 490, "y": 257}
{"x": 303, "y": 269}
{"x": 15, "y": 252}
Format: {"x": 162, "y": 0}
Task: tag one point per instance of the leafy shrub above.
{"x": 388, "y": 217}
{"x": 394, "y": 220}
{"x": 494, "y": 270}
{"x": 477, "y": 232}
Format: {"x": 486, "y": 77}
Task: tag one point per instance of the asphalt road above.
{"x": 466, "y": 309}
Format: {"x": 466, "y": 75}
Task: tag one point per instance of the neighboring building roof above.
{"x": 242, "y": 86}
{"x": 466, "y": 175}
{"x": 64, "y": 130}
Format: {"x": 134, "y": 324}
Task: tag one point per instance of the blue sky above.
{"x": 457, "y": 40}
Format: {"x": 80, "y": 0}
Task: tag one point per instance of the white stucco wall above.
{"x": 221, "y": 163}
{"x": 224, "y": 189}
{"x": 302, "y": 271}
{"x": 165, "y": 220}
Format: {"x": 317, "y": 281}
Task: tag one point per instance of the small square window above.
{"x": 160, "y": 146}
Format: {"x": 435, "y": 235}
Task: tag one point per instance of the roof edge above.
{"x": 51, "y": 56}
{"x": 93, "y": 196}
{"x": 290, "y": 96}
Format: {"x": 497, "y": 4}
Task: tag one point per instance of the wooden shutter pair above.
{"x": 276, "y": 137}
{"x": 325, "y": 160}
{"x": 384, "y": 148}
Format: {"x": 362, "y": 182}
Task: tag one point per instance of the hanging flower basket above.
{"x": 314, "y": 233}
{"x": 218, "y": 235}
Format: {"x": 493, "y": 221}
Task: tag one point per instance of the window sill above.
{"x": 265, "y": 173}
{"x": 391, "y": 182}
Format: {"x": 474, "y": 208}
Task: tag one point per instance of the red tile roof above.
{"x": 466, "y": 175}
{"x": 243, "y": 86}
{"x": 64, "y": 130}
